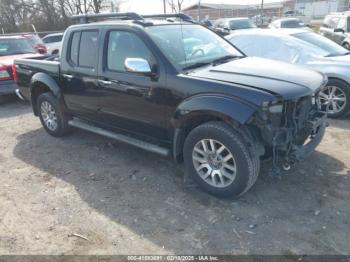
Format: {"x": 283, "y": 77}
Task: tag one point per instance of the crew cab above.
{"x": 170, "y": 86}
{"x": 11, "y": 48}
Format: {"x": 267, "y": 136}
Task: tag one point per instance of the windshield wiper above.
{"x": 196, "y": 65}
{"x": 224, "y": 59}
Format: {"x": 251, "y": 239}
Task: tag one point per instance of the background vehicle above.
{"x": 226, "y": 25}
{"x": 11, "y": 47}
{"x": 288, "y": 23}
{"x": 53, "y": 43}
{"x": 176, "y": 88}
{"x": 337, "y": 27}
{"x": 36, "y": 43}
{"x": 261, "y": 21}
{"x": 304, "y": 48}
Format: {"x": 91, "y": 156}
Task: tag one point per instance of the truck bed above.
{"x": 26, "y": 68}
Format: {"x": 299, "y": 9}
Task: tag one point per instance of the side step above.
{"x": 120, "y": 137}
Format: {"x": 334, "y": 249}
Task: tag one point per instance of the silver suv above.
{"x": 336, "y": 27}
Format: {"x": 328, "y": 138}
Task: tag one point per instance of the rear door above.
{"x": 79, "y": 73}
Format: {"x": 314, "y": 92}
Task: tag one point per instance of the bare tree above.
{"x": 176, "y": 5}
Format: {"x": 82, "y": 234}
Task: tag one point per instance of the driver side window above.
{"x": 123, "y": 45}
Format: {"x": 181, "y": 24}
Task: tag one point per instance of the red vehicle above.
{"x": 11, "y": 48}
{"x": 36, "y": 42}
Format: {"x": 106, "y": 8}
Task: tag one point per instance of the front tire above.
{"x": 220, "y": 160}
{"x": 335, "y": 98}
{"x": 51, "y": 115}
{"x": 346, "y": 46}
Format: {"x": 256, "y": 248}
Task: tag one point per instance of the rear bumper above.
{"x": 8, "y": 87}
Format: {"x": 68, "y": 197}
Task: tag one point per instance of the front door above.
{"x": 133, "y": 102}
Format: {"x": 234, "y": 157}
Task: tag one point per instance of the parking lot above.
{"x": 85, "y": 194}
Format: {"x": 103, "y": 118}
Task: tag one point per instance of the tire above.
{"x": 61, "y": 128}
{"x": 346, "y": 46}
{"x": 343, "y": 91}
{"x": 244, "y": 158}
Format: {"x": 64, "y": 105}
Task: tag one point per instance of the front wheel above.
{"x": 219, "y": 160}
{"x": 52, "y": 117}
{"x": 335, "y": 98}
{"x": 346, "y": 45}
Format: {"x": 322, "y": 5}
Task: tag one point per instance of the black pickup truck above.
{"x": 172, "y": 87}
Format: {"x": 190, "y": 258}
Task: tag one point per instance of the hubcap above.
{"x": 214, "y": 163}
{"x": 49, "y": 115}
{"x": 332, "y": 98}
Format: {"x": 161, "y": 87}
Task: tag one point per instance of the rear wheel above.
{"x": 52, "y": 116}
{"x": 335, "y": 98}
{"x": 220, "y": 160}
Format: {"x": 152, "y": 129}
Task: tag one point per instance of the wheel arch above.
{"x": 42, "y": 83}
{"x": 202, "y": 109}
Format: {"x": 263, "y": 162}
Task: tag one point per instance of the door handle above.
{"x": 69, "y": 77}
{"x": 105, "y": 82}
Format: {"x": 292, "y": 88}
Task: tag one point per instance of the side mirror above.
{"x": 338, "y": 30}
{"x": 138, "y": 66}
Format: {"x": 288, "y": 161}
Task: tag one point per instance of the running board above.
{"x": 120, "y": 137}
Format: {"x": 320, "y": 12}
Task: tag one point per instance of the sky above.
{"x": 156, "y": 6}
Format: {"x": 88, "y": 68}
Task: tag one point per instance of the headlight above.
{"x": 273, "y": 108}
{"x": 276, "y": 109}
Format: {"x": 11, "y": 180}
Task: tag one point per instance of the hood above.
{"x": 8, "y": 60}
{"x": 277, "y": 78}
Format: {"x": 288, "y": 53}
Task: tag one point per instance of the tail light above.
{"x": 14, "y": 72}
{"x": 41, "y": 48}
{"x": 4, "y": 73}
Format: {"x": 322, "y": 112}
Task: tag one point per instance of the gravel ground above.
{"x": 85, "y": 194}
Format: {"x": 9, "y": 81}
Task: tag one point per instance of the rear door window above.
{"x": 84, "y": 49}
{"x": 74, "y": 48}
{"x": 88, "y": 49}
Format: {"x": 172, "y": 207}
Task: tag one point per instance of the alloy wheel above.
{"x": 48, "y": 115}
{"x": 332, "y": 98}
{"x": 214, "y": 163}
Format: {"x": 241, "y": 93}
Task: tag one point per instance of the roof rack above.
{"x": 84, "y": 19}
{"x": 179, "y": 16}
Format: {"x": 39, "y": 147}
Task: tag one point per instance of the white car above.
{"x": 53, "y": 43}
{"x": 291, "y": 22}
{"x": 306, "y": 48}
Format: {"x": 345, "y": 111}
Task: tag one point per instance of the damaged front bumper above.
{"x": 317, "y": 129}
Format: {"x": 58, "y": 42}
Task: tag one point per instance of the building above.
{"x": 310, "y": 8}
{"x": 320, "y": 8}
{"x": 215, "y": 11}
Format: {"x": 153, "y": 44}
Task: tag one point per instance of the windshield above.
{"x": 323, "y": 43}
{"x": 187, "y": 45}
{"x": 241, "y": 24}
{"x": 15, "y": 46}
{"x": 292, "y": 24}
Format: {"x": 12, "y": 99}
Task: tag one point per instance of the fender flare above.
{"x": 40, "y": 79}
{"x": 229, "y": 109}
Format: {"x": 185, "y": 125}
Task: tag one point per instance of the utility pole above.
{"x": 296, "y": 7}
{"x": 199, "y": 11}
{"x": 164, "y": 5}
{"x": 262, "y": 13}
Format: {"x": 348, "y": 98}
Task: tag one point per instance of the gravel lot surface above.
{"x": 85, "y": 194}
